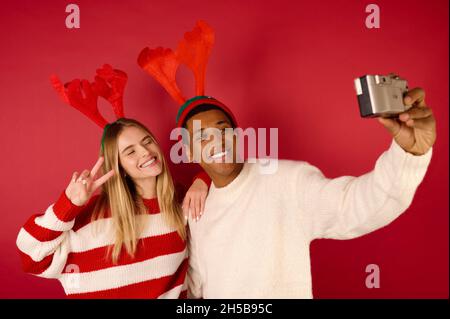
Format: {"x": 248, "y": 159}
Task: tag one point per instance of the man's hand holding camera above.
{"x": 415, "y": 129}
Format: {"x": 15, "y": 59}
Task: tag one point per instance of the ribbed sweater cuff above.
{"x": 412, "y": 167}
{"x": 65, "y": 210}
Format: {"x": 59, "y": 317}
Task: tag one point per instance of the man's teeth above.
{"x": 150, "y": 162}
{"x": 219, "y": 155}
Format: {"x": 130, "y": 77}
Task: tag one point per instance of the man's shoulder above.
{"x": 278, "y": 167}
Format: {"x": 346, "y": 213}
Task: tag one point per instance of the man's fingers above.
{"x": 97, "y": 166}
{"x": 390, "y": 124}
{"x": 415, "y": 96}
{"x": 423, "y": 123}
{"x": 415, "y": 113}
{"x": 99, "y": 182}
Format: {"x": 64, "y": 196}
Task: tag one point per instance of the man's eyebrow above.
{"x": 217, "y": 123}
{"x": 200, "y": 130}
{"x": 143, "y": 139}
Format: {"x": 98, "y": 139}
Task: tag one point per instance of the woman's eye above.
{"x": 148, "y": 142}
{"x": 130, "y": 153}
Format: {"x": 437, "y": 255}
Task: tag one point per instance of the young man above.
{"x": 253, "y": 240}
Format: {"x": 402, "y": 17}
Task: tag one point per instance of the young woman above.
{"x": 127, "y": 242}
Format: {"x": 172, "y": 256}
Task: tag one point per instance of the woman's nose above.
{"x": 145, "y": 152}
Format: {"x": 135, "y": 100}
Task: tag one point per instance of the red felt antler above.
{"x": 194, "y": 50}
{"x": 110, "y": 84}
{"x": 162, "y": 65}
{"x": 85, "y": 102}
{"x": 83, "y": 95}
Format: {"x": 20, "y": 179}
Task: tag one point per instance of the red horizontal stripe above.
{"x": 183, "y": 295}
{"x": 143, "y": 290}
{"x": 65, "y": 211}
{"x": 32, "y": 267}
{"x": 40, "y": 233}
{"x": 147, "y": 248}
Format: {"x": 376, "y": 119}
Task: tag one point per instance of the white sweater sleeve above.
{"x": 193, "y": 273}
{"x": 347, "y": 207}
{"x": 44, "y": 240}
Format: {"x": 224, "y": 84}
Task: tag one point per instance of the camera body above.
{"x": 381, "y": 95}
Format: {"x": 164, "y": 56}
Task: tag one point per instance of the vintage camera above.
{"x": 381, "y": 95}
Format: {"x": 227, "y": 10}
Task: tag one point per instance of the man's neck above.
{"x": 222, "y": 181}
{"x": 146, "y": 187}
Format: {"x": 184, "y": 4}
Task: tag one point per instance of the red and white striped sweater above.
{"x": 64, "y": 244}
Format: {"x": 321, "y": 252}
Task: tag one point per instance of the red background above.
{"x": 276, "y": 63}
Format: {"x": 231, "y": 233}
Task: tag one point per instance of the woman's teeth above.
{"x": 148, "y": 163}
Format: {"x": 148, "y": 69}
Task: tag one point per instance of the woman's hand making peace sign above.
{"x": 83, "y": 185}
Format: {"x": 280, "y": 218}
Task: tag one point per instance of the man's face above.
{"x": 219, "y": 149}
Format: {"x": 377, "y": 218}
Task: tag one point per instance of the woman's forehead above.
{"x": 131, "y": 135}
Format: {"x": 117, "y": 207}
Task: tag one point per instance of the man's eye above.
{"x": 149, "y": 141}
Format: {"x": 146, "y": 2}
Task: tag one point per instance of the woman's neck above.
{"x": 146, "y": 187}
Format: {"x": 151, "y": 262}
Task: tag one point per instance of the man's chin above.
{"x": 223, "y": 169}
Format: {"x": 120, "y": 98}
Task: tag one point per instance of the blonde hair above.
{"x": 120, "y": 195}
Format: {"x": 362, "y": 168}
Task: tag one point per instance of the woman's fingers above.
{"x": 97, "y": 166}
{"x": 192, "y": 208}
{"x": 83, "y": 178}
{"x": 185, "y": 207}
{"x": 202, "y": 203}
{"x": 99, "y": 182}
{"x": 74, "y": 177}
{"x": 197, "y": 208}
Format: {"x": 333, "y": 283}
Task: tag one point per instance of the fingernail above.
{"x": 404, "y": 116}
{"x": 185, "y": 217}
{"x": 408, "y": 100}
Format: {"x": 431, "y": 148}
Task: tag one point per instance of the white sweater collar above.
{"x": 233, "y": 187}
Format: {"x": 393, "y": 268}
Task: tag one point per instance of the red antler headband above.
{"x": 109, "y": 83}
{"x": 193, "y": 51}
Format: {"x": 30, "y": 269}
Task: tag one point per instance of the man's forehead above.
{"x": 210, "y": 118}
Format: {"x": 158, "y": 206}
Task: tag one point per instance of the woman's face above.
{"x": 139, "y": 154}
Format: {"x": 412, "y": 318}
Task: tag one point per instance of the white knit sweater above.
{"x": 253, "y": 238}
